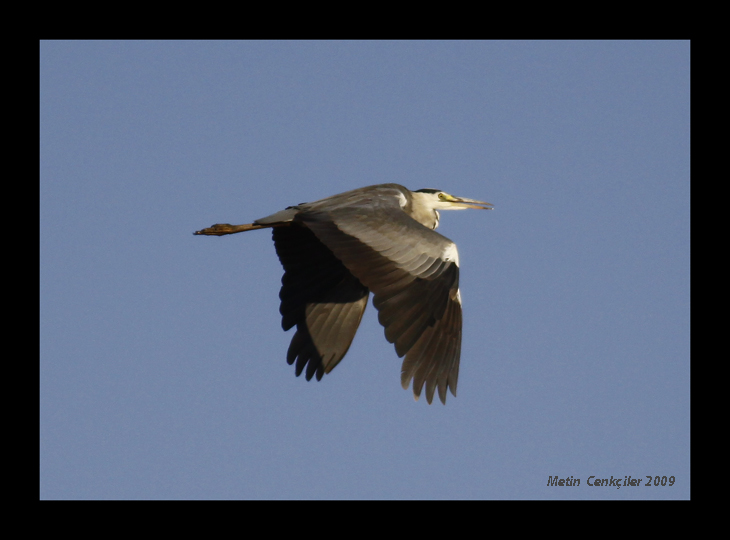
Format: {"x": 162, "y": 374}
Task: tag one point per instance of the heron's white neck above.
{"x": 422, "y": 211}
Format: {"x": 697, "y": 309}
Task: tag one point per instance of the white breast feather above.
{"x": 450, "y": 253}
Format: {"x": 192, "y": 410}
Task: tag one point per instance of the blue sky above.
{"x": 163, "y": 371}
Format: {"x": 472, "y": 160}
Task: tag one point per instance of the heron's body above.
{"x": 377, "y": 239}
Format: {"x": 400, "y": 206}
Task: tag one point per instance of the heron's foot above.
{"x": 219, "y": 229}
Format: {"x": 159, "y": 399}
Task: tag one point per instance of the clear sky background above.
{"x": 163, "y": 371}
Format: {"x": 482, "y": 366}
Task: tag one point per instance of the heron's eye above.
{"x": 442, "y": 196}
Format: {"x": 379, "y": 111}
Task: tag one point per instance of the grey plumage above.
{"x": 377, "y": 239}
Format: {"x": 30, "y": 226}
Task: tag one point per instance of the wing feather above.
{"x": 321, "y": 297}
{"x": 415, "y": 286}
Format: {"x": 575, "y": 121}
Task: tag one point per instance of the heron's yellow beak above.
{"x": 463, "y": 202}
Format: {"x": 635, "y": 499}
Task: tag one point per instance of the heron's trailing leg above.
{"x": 221, "y": 229}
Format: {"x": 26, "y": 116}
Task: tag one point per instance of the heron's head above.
{"x": 435, "y": 199}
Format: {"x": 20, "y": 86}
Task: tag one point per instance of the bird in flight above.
{"x": 378, "y": 239}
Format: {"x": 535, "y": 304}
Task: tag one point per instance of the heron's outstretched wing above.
{"x": 321, "y": 297}
{"x": 413, "y": 273}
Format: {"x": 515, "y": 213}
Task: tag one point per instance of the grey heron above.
{"x": 380, "y": 238}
